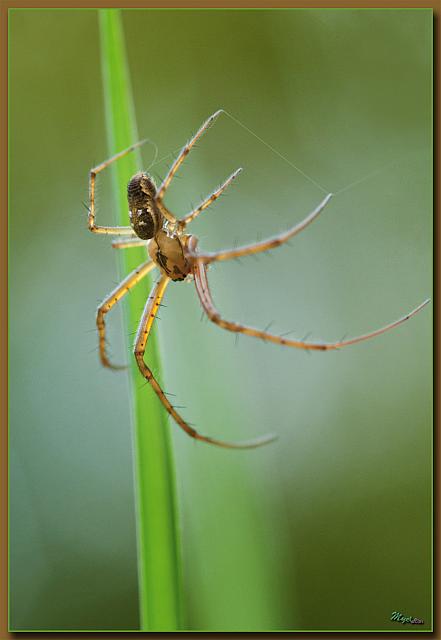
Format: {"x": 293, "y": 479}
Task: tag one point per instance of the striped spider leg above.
{"x": 128, "y": 243}
{"x": 203, "y": 291}
{"x": 111, "y": 300}
{"x": 201, "y": 260}
{"x": 183, "y": 154}
{"x": 145, "y": 326}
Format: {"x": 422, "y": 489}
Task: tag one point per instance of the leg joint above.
{"x": 214, "y": 315}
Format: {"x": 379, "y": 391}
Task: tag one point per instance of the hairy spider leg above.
{"x": 263, "y": 245}
{"x": 203, "y": 291}
{"x": 183, "y": 154}
{"x": 113, "y": 298}
{"x": 128, "y": 243}
{"x": 209, "y": 199}
{"x": 148, "y": 317}
{"x": 126, "y": 231}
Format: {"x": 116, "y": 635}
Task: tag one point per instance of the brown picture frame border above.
{"x": 5, "y": 5}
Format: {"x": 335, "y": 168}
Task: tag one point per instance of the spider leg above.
{"x": 92, "y": 179}
{"x": 183, "y": 154}
{"x": 209, "y": 200}
{"x": 128, "y": 243}
{"x": 115, "y": 296}
{"x": 264, "y": 245}
{"x": 148, "y": 317}
{"x": 203, "y": 291}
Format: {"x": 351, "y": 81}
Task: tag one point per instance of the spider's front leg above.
{"x": 126, "y": 231}
{"x": 145, "y": 326}
{"x": 115, "y": 296}
{"x": 203, "y": 291}
{"x": 183, "y": 154}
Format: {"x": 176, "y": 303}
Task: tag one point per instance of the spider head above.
{"x": 145, "y": 217}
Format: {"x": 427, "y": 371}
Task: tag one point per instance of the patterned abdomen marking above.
{"x": 145, "y": 217}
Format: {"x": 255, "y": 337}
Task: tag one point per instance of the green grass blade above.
{"x": 157, "y": 526}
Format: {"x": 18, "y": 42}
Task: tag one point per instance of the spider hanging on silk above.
{"x": 175, "y": 253}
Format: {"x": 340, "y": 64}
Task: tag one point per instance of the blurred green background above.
{"x": 330, "y": 527}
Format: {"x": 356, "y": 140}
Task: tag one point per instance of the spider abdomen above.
{"x": 140, "y": 190}
{"x": 145, "y": 217}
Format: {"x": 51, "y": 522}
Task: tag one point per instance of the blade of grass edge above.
{"x": 159, "y": 570}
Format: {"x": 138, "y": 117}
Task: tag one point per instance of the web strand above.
{"x": 305, "y": 175}
{"x": 355, "y": 183}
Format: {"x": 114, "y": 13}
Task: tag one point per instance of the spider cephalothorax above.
{"x": 174, "y": 253}
{"x": 168, "y": 250}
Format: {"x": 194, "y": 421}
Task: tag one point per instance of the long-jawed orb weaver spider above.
{"x": 176, "y": 255}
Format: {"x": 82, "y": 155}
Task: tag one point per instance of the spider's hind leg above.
{"x": 203, "y": 291}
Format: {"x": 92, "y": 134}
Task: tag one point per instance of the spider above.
{"x": 175, "y": 253}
